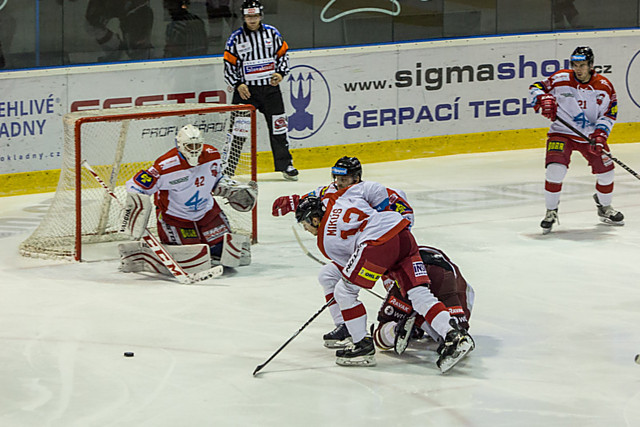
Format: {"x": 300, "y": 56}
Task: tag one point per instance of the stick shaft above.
{"x": 577, "y": 132}
{"x": 259, "y": 367}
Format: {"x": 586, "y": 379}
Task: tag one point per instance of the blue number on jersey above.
{"x": 195, "y": 201}
{"x": 582, "y": 120}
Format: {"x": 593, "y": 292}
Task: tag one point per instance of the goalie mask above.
{"x": 308, "y": 208}
{"x": 189, "y": 143}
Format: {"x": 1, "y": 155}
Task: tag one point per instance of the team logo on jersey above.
{"x": 309, "y": 99}
{"x": 419, "y": 270}
{"x": 144, "y": 179}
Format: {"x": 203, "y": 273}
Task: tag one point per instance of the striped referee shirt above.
{"x": 251, "y": 57}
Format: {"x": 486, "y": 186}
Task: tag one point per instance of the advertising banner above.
{"x": 332, "y": 97}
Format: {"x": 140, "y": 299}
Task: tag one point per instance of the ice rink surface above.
{"x": 556, "y": 318}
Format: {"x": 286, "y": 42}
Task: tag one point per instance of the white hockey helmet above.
{"x": 189, "y": 143}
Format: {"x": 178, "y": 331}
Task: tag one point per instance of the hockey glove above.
{"x": 285, "y": 204}
{"x": 547, "y": 103}
{"x": 599, "y": 138}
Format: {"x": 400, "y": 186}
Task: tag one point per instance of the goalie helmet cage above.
{"x": 117, "y": 143}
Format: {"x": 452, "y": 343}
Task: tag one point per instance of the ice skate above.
{"x": 457, "y": 344}
{"x": 361, "y": 353}
{"x": 404, "y": 333}
{"x": 338, "y": 338}
{"x": 290, "y": 174}
{"x": 607, "y": 214}
{"x": 550, "y": 218}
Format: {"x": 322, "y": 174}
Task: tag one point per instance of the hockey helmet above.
{"x": 349, "y": 166}
{"x": 583, "y": 53}
{"x": 189, "y": 143}
{"x": 308, "y": 208}
{"x": 252, "y": 7}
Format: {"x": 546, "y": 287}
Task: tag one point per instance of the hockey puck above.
{"x": 637, "y": 359}
{"x": 128, "y": 354}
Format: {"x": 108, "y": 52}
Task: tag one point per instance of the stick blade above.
{"x": 258, "y": 369}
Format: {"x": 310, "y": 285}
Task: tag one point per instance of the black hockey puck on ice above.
{"x": 128, "y": 354}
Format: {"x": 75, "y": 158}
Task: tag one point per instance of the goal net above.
{"x": 117, "y": 143}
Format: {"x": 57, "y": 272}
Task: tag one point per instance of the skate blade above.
{"x": 338, "y": 344}
{"x": 546, "y": 231}
{"x": 403, "y": 337}
{"x": 450, "y": 361}
{"x": 357, "y": 361}
{"x": 613, "y": 223}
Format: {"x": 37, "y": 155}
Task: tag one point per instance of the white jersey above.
{"x": 373, "y": 193}
{"x": 180, "y": 190}
{"x": 350, "y": 222}
{"x": 586, "y": 106}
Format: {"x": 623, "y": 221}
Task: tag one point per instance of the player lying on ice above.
{"x": 370, "y": 244}
{"x": 346, "y": 171}
{"x": 190, "y": 222}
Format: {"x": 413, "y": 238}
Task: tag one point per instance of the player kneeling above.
{"x": 398, "y": 323}
{"x": 190, "y": 222}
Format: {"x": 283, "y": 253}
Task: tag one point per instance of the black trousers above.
{"x": 267, "y": 100}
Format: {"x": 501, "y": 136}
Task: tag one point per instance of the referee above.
{"x": 255, "y": 61}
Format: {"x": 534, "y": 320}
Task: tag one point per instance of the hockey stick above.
{"x": 304, "y": 248}
{"x": 577, "y": 132}
{"x": 259, "y": 367}
{"x": 165, "y": 257}
{"x": 316, "y": 259}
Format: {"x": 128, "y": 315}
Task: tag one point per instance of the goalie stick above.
{"x": 622, "y": 165}
{"x": 259, "y": 367}
{"x": 165, "y": 257}
{"x": 316, "y": 259}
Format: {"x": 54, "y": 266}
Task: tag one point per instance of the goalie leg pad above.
{"x": 135, "y": 215}
{"x": 137, "y": 256}
{"x": 236, "y": 250}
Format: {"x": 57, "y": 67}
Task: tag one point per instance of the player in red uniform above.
{"x": 587, "y": 101}
{"x": 396, "y": 316}
{"x": 369, "y": 244}
{"x": 346, "y": 171}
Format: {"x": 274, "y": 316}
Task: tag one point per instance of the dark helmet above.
{"x": 583, "y": 53}
{"x": 310, "y": 207}
{"x": 347, "y": 166}
{"x": 252, "y": 7}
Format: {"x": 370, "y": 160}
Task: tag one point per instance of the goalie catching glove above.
{"x": 241, "y": 197}
{"x": 135, "y": 215}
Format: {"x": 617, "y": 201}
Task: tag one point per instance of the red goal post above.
{"x": 117, "y": 143}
